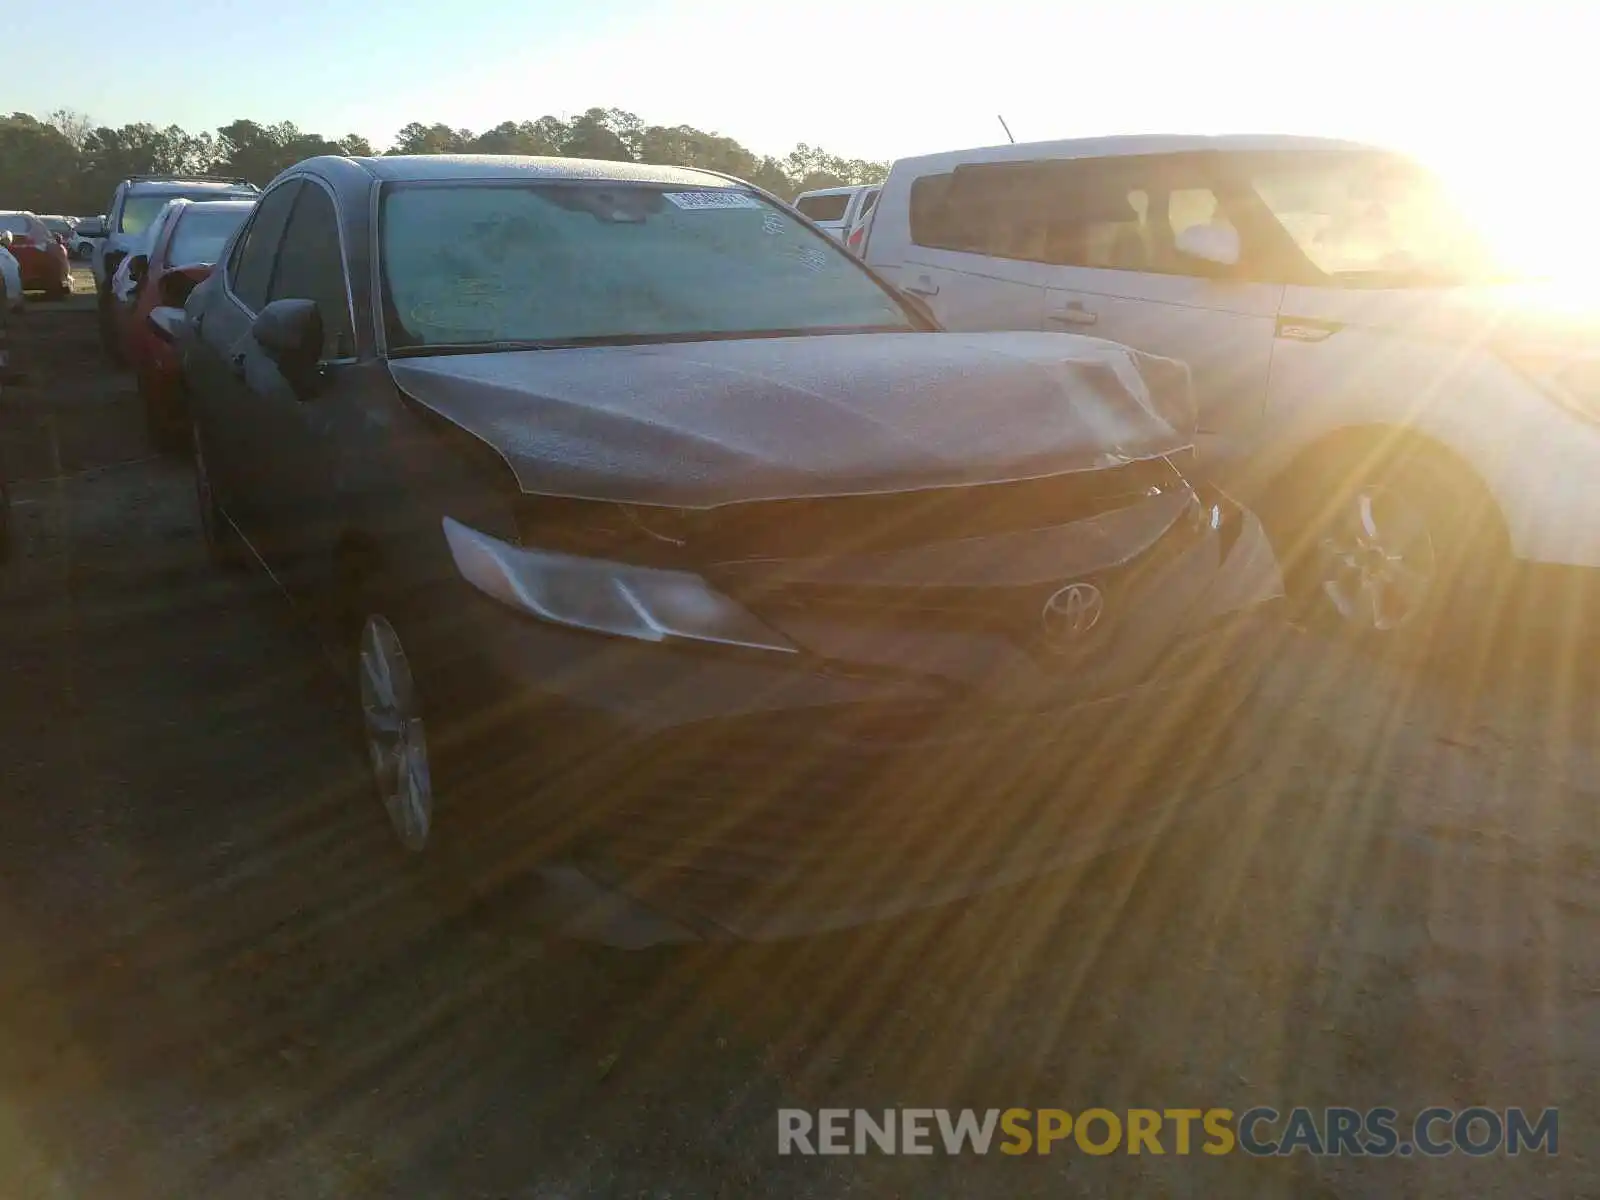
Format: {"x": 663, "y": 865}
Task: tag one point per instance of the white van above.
{"x": 1400, "y": 411}
{"x": 834, "y": 209}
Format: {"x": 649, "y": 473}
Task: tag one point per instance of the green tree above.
{"x": 67, "y": 163}
{"x": 38, "y": 164}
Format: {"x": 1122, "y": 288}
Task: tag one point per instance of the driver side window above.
{"x": 250, "y": 266}
{"x": 311, "y": 267}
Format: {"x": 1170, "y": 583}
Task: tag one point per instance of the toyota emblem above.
{"x": 1072, "y": 612}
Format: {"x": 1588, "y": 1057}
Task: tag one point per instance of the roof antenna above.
{"x": 1007, "y": 128}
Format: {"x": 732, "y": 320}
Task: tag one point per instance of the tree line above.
{"x": 65, "y": 163}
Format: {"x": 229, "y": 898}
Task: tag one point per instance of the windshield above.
{"x": 1374, "y": 218}
{"x": 201, "y": 233}
{"x": 469, "y": 264}
{"x": 139, "y": 210}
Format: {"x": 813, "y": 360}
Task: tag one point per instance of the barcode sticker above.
{"x": 719, "y": 199}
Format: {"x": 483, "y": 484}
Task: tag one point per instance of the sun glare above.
{"x": 1526, "y": 218}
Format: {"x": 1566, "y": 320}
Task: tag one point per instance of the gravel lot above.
{"x": 216, "y": 985}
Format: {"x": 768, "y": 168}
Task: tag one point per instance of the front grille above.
{"x": 831, "y": 526}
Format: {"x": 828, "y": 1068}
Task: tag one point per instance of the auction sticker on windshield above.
{"x": 713, "y": 199}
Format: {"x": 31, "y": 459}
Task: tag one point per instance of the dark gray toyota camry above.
{"x": 677, "y": 559}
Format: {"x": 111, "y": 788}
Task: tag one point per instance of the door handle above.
{"x": 924, "y": 286}
{"x": 1074, "y": 314}
{"x": 236, "y": 364}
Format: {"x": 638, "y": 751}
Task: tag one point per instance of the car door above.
{"x": 975, "y": 256}
{"x": 226, "y": 354}
{"x": 1123, "y": 276}
{"x": 294, "y": 430}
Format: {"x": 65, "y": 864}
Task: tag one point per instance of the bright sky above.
{"x": 1476, "y": 87}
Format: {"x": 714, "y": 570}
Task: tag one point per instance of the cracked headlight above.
{"x": 645, "y": 603}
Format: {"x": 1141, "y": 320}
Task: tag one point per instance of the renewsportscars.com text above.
{"x": 1377, "y": 1132}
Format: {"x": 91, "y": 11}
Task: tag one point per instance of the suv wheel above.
{"x": 1388, "y": 547}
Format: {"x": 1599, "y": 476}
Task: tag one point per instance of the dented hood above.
{"x": 695, "y": 424}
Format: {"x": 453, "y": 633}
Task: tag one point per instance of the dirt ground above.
{"x": 214, "y": 985}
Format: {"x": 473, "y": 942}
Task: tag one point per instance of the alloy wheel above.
{"x": 397, "y": 739}
{"x": 1379, "y": 561}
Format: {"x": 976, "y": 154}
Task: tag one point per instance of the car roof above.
{"x": 179, "y": 184}
{"x": 408, "y": 168}
{"x": 1144, "y": 143}
{"x": 212, "y": 204}
{"x": 16, "y": 212}
{"x": 848, "y": 189}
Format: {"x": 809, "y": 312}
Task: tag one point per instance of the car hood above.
{"x": 696, "y": 424}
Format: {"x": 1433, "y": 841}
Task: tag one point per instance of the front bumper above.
{"x": 737, "y": 796}
{"x": 797, "y": 823}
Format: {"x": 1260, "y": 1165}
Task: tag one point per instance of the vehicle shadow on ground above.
{"x": 222, "y": 982}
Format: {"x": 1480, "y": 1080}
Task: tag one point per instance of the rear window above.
{"x": 824, "y": 208}
{"x": 16, "y": 223}
{"x": 141, "y": 209}
{"x": 201, "y": 234}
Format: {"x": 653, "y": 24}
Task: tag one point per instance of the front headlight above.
{"x": 646, "y": 603}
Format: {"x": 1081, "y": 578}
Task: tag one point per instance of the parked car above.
{"x": 40, "y": 257}
{"x": 832, "y": 209}
{"x": 855, "y": 240}
{"x": 86, "y": 235}
{"x": 1407, "y": 416}
{"x": 670, "y": 549}
{"x": 11, "y": 291}
{"x": 134, "y": 206}
{"x": 61, "y": 228}
{"x": 185, "y": 239}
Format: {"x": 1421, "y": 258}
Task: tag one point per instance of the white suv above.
{"x": 834, "y": 210}
{"x": 1402, "y": 412}
{"x": 134, "y": 206}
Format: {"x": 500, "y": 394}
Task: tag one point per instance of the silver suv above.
{"x": 134, "y": 206}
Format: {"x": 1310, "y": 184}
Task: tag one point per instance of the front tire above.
{"x": 395, "y": 734}
{"x": 1392, "y": 546}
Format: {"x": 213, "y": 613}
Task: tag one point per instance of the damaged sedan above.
{"x": 674, "y": 557}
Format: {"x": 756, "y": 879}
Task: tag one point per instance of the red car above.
{"x": 39, "y": 254}
{"x": 185, "y": 242}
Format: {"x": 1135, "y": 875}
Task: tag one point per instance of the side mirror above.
{"x": 290, "y": 333}
{"x": 167, "y": 322}
{"x": 137, "y": 266}
{"x": 1216, "y": 243}
{"x": 175, "y": 287}
{"x": 5, "y": 238}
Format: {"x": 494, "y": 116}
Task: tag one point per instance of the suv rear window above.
{"x": 139, "y": 209}
{"x": 202, "y": 233}
{"x": 824, "y": 208}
